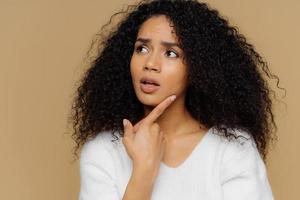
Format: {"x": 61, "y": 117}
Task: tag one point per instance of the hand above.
{"x": 144, "y": 142}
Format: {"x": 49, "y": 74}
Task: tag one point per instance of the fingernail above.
{"x": 124, "y": 122}
{"x": 173, "y": 97}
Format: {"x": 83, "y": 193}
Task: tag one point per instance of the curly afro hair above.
{"x": 226, "y": 89}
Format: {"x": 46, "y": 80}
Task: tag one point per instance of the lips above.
{"x": 149, "y": 85}
{"x": 148, "y": 80}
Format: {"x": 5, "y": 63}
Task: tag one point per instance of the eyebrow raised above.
{"x": 164, "y": 43}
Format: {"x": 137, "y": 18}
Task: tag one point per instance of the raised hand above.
{"x": 144, "y": 142}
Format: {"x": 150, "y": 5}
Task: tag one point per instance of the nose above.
{"x": 152, "y": 63}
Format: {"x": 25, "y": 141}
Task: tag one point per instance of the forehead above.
{"x": 158, "y": 27}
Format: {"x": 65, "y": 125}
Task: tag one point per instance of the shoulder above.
{"x": 242, "y": 167}
{"x": 98, "y": 148}
{"x": 241, "y": 157}
{"x": 98, "y": 175}
{"x": 235, "y": 147}
{"x": 238, "y": 142}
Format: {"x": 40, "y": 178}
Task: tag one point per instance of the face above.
{"x": 157, "y": 56}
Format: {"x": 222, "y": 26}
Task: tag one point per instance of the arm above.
{"x": 243, "y": 174}
{"x": 140, "y": 185}
{"x": 98, "y": 180}
{"x": 96, "y": 184}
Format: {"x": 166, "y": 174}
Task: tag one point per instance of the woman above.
{"x": 210, "y": 142}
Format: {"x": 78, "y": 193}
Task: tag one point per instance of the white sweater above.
{"x": 217, "y": 169}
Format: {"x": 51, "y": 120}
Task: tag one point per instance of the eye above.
{"x": 139, "y": 48}
{"x": 174, "y": 53}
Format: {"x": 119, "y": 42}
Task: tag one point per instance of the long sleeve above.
{"x": 243, "y": 174}
{"x": 97, "y": 177}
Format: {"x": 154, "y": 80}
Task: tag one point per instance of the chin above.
{"x": 150, "y": 99}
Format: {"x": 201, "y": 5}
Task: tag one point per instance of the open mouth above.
{"x": 147, "y": 87}
{"x": 149, "y": 83}
{"x": 148, "y": 80}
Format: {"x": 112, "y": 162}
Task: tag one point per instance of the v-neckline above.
{"x": 191, "y": 155}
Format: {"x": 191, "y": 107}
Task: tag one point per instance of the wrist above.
{"x": 144, "y": 174}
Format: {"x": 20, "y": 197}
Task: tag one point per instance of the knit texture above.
{"x": 217, "y": 169}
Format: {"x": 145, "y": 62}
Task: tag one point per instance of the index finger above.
{"x": 159, "y": 109}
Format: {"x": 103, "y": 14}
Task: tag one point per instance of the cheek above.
{"x": 177, "y": 76}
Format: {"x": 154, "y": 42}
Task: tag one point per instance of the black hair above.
{"x": 226, "y": 75}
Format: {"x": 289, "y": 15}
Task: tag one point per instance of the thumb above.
{"x": 128, "y": 128}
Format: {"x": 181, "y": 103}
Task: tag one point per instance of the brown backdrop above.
{"x": 42, "y": 49}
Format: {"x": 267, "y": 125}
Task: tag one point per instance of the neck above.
{"x": 176, "y": 120}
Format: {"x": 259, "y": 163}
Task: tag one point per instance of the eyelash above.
{"x": 141, "y": 46}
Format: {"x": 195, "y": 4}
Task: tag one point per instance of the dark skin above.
{"x": 167, "y": 133}
{"x": 179, "y": 147}
{"x": 145, "y": 144}
{"x": 180, "y": 130}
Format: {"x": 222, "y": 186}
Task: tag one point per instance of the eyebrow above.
{"x": 164, "y": 43}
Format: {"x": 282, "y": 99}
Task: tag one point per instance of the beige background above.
{"x": 42, "y": 48}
